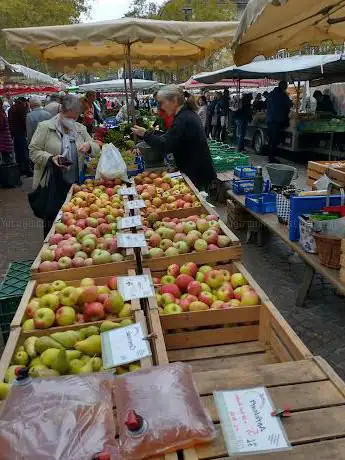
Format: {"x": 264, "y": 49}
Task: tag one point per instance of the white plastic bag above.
{"x": 111, "y": 164}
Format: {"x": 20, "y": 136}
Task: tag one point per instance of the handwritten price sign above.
{"x": 135, "y": 204}
{"x": 131, "y": 240}
{"x": 131, "y": 221}
{"x": 135, "y": 287}
{"x": 173, "y": 175}
{"x": 128, "y": 191}
{"x": 247, "y": 423}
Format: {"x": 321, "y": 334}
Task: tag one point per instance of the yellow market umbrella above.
{"x": 268, "y": 26}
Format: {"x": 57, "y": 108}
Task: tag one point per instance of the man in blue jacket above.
{"x": 278, "y": 110}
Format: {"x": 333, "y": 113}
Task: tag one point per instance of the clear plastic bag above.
{"x": 63, "y": 418}
{"x": 111, "y": 164}
{"x": 166, "y": 399}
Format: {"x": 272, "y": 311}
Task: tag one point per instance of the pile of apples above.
{"x": 162, "y": 193}
{"x": 86, "y": 233}
{"x": 173, "y": 236}
{"x": 190, "y": 288}
{"x": 59, "y": 304}
{"x": 70, "y": 352}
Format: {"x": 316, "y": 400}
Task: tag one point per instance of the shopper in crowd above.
{"x": 6, "y": 143}
{"x": 223, "y": 110}
{"x": 278, "y": 109}
{"x": 58, "y": 140}
{"x": 54, "y": 105}
{"x": 215, "y": 115}
{"x": 17, "y": 122}
{"x": 242, "y": 117}
{"x": 323, "y": 103}
{"x": 202, "y": 112}
{"x": 258, "y": 104}
{"x": 34, "y": 117}
{"x": 90, "y": 113}
{"x": 265, "y": 96}
{"x": 186, "y": 138}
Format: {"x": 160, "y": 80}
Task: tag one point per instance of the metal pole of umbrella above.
{"x": 129, "y": 67}
{"x": 126, "y": 89}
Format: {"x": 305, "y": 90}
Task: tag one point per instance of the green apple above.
{"x": 85, "y": 282}
{"x": 168, "y": 279}
{"x": 42, "y": 289}
{"x": 21, "y": 357}
{"x": 28, "y": 325}
{"x": 205, "y": 287}
{"x": 114, "y": 303}
{"x": 200, "y": 277}
{"x": 65, "y": 316}
{"x": 69, "y": 296}
{"x": 172, "y": 308}
{"x": 44, "y": 318}
{"x": 205, "y": 268}
{"x": 58, "y": 285}
{"x": 51, "y": 301}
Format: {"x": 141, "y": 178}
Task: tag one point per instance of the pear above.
{"x": 96, "y": 364}
{"x": 19, "y": 348}
{"x": 134, "y": 367}
{"x": 60, "y": 362}
{"x": 4, "y": 390}
{"x": 48, "y": 356}
{"x": 34, "y": 370}
{"x": 45, "y": 342}
{"x": 89, "y": 331}
{"x": 72, "y": 354}
{"x": 21, "y": 357}
{"x": 126, "y": 311}
{"x": 35, "y": 361}
{"x": 42, "y": 373}
{"x": 66, "y": 339}
{"x": 10, "y": 375}
{"x": 85, "y": 359}
{"x": 29, "y": 346}
{"x": 90, "y": 346}
{"x": 87, "y": 368}
{"x": 75, "y": 365}
{"x": 108, "y": 326}
{"x": 126, "y": 322}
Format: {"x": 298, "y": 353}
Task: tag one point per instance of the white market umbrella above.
{"x": 119, "y": 85}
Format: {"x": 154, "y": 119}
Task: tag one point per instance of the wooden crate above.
{"x": 17, "y": 337}
{"x": 237, "y": 217}
{"x": 67, "y": 200}
{"x": 233, "y": 252}
{"x": 335, "y": 171}
{"x": 31, "y": 286}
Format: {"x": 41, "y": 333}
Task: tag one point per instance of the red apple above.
{"x": 190, "y": 268}
{"x": 214, "y": 278}
{"x": 89, "y": 294}
{"x": 112, "y": 283}
{"x": 56, "y": 238}
{"x": 171, "y": 289}
{"x": 206, "y": 297}
{"x": 183, "y": 281}
{"x": 173, "y": 270}
{"x": 94, "y": 311}
{"x": 194, "y": 288}
{"x": 210, "y": 236}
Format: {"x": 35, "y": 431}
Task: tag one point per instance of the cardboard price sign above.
{"x": 131, "y": 221}
{"x": 173, "y": 175}
{"x": 131, "y": 240}
{"x": 135, "y": 204}
{"x": 123, "y": 346}
{"x": 128, "y": 191}
{"x": 135, "y": 287}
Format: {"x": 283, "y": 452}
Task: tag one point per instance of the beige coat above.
{"x": 46, "y": 143}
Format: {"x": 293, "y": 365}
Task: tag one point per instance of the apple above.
{"x": 88, "y": 244}
{"x": 51, "y": 301}
{"x": 78, "y": 262}
{"x": 223, "y": 241}
{"x": 205, "y": 287}
{"x": 237, "y": 279}
{"x": 81, "y": 254}
{"x": 154, "y": 253}
{"x": 47, "y": 266}
{"x": 173, "y": 270}
{"x": 65, "y": 316}
{"x": 182, "y": 247}
{"x": 117, "y": 257}
{"x": 43, "y": 289}
{"x": 192, "y": 237}
{"x": 182, "y": 281}
{"x": 198, "y": 306}
{"x": 179, "y": 237}
{"x": 184, "y": 304}
{"x": 44, "y": 318}
{"x": 194, "y": 288}
{"x": 154, "y": 240}
{"x": 225, "y": 293}
{"x": 55, "y": 239}
{"x": 171, "y": 252}
{"x": 114, "y": 303}
{"x": 100, "y": 256}
{"x": 200, "y": 277}
{"x": 47, "y": 254}
{"x": 200, "y": 245}
{"x": 167, "y": 298}
{"x": 206, "y": 297}
{"x": 205, "y": 268}
{"x": 172, "y": 308}
{"x": 168, "y": 279}
{"x": 94, "y": 311}
{"x": 88, "y": 294}
{"x": 210, "y": 236}
{"x": 32, "y": 307}
{"x": 68, "y": 251}
{"x": 69, "y": 296}
{"x": 166, "y": 244}
{"x": 190, "y": 268}
{"x": 65, "y": 263}
{"x": 85, "y": 282}
{"x": 249, "y": 297}
{"x": 234, "y": 303}
{"x": 214, "y": 278}
{"x": 214, "y": 224}
{"x": 112, "y": 283}
{"x": 28, "y": 325}
{"x": 202, "y": 225}
{"x": 189, "y": 226}
{"x": 60, "y": 228}
{"x": 238, "y": 293}
{"x": 217, "y": 305}
{"x": 212, "y": 217}
{"x": 171, "y": 289}
{"x": 226, "y": 275}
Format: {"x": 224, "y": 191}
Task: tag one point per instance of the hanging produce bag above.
{"x": 111, "y": 164}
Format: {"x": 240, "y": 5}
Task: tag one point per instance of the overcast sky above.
{"x": 108, "y": 9}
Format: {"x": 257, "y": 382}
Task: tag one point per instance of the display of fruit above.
{"x": 189, "y": 288}
{"x": 61, "y": 304}
{"x": 62, "y": 353}
{"x": 173, "y": 236}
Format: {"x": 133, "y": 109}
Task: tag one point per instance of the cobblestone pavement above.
{"x": 321, "y": 324}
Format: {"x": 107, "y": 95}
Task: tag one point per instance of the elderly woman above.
{"x": 58, "y": 147}
{"x": 186, "y": 138}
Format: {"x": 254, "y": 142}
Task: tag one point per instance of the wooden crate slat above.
{"x": 279, "y": 349}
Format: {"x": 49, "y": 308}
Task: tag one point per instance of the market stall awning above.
{"x": 227, "y": 83}
{"x": 153, "y": 43}
{"x": 119, "y": 85}
{"x": 268, "y": 26}
{"x": 295, "y": 68}
{"x": 16, "y": 90}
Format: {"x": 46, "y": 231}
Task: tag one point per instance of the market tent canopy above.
{"x": 119, "y": 85}
{"x": 268, "y": 26}
{"x": 227, "y": 83}
{"x": 295, "y": 68}
{"x": 16, "y": 90}
{"x": 152, "y": 43}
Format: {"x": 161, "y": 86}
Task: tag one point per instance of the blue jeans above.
{"x": 242, "y": 126}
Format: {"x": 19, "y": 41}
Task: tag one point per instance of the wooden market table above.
{"x": 311, "y": 260}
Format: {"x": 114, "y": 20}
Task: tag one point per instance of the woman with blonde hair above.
{"x": 186, "y": 138}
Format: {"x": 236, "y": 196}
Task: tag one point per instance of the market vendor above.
{"x": 186, "y": 138}
{"x": 323, "y": 103}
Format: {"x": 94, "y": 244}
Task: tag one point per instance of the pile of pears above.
{"x": 64, "y": 353}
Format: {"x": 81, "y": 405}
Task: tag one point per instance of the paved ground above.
{"x": 321, "y": 324}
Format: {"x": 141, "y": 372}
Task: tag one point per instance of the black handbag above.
{"x": 46, "y": 201}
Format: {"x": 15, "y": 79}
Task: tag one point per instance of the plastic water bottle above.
{"x": 258, "y": 180}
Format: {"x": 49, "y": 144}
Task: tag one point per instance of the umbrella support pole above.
{"x": 126, "y": 89}
{"x": 129, "y": 68}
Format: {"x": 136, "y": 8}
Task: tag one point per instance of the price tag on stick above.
{"x": 135, "y": 287}
{"x": 131, "y": 240}
{"x": 135, "y": 204}
{"x": 173, "y": 175}
{"x": 128, "y": 191}
{"x": 131, "y": 221}
{"x": 123, "y": 346}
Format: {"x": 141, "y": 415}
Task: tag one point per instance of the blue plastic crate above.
{"x": 242, "y": 186}
{"x": 245, "y": 172}
{"x": 262, "y": 203}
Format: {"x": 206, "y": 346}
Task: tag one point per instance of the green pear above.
{"x": 34, "y": 370}
{"x": 126, "y": 322}
{"x": 10, "y": 375}
{"x": 42, "y": 373}
{"x": 4, "y": 390}
{"x": 21, "y": 357}
{"x": 28, "y": 325}
{"x": 75, "y": 365}
{"x": 89, "y": 331}
{"x": 66, "y": 339}
{"x": 85, "y": 359}
{"x": 108, "y": 326}
{"x": 19, "y": 348}
{"x": 48, "y": 356}
{"x": 72, "y": 354}
{"x": 35, "y": 361}
{"x": 96, "y": 363}
{"x": 125, "y": 311}
{"x": 60, "y": 362}
{"x": 45, "y": 342}
{"x": 87, "y": 368}
{"x": 90, "y": 346}
{"x": 29, "y": 346}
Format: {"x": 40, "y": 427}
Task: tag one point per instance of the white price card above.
{"x": 247, "y": 422}
{"x": 131, "y": 240}
{"x": 175, "y": 174}
{"x": 123, "y": 346}
{"x": 128, "y": 191}
{"x": 135, "y": 204}
{"x": 131, "y": 221}
{"x": 135, "y": 287}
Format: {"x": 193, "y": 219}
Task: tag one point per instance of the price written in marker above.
{"x": 173, "y": 175}
{"x": 131, "y": 221}
{"x": 123, "y": 346}
{"x": 135, "y": 287}
{"x": 128, "y": 191}
{"x": 135, "y": 204}
{"x": 131, "y": 240}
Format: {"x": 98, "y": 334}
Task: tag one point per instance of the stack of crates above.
{"x": 11, "y": 291}
{"x": 225, "y": 157}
